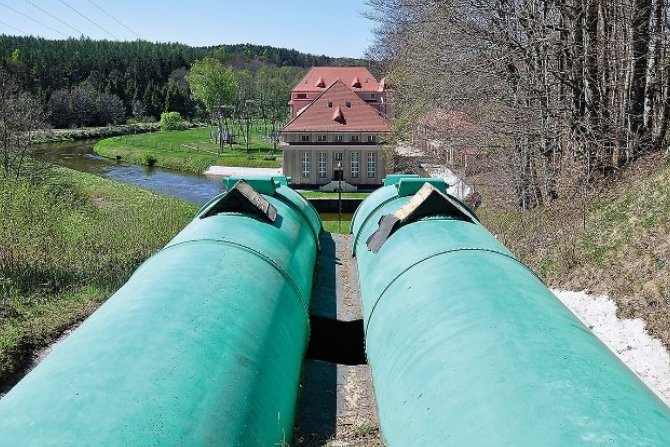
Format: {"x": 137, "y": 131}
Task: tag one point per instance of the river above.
{"x": 194, "y": 188}
{"x": 78, "y": 155}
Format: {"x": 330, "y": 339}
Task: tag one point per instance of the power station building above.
{"x": 338, "y": 126}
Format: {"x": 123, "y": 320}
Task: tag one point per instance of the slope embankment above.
{"x": 68, "y": 240}
{"x": 615, "y": 241}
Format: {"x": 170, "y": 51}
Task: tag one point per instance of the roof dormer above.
{"x": 320, "y": 83}
{"x": 356, "y": 83}
{"x": 338, "y": 116}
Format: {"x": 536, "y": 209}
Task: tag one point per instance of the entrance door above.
{"x": 338, "y": 171}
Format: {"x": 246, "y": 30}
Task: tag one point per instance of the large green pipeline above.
{"x": 202, "y": 346}
{"x": 469, "y": 348}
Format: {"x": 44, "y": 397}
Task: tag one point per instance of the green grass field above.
{"x": 333, "y": 226}
{"x": 68, "y": 240}
{"x": 189, "y": 150}
{"x": 331, "y": 222}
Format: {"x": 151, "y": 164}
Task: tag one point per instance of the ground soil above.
{"x": 337, "y": 405}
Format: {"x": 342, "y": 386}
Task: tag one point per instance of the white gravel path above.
{"x": 457, "y": 187}
{"x": 232, "y": 171}
{"x": 407, "y": 150}
{"x": 628, "y": 339}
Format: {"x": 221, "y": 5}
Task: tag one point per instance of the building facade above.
{"x": 312, "y": 165}
{"x": 337, "y": 132}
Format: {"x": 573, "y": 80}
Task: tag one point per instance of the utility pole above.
{"x": 219, "y": 116}
{"x": 339, "y": 194}
{"x": 247, "y": 119}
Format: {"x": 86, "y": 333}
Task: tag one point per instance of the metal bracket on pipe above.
{"x": 428, "y": 201}
{"x": 242, "y": 198}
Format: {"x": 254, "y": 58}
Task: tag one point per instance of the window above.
{"x": 348, "y": 104}
{"x": 338, "y": 138}
{"x": 330, "y": 104}
{"x": 305, "y": 164}
{"x": 372, "y": 96}
{"x": 355, "y": 139}
{"x": 338, "y": 156}
{"x": 322, "y": 138}
{"x": 302, "y": 96}
{"x": 304, "y": 138}
{"x": 355, "y": 164}
{"x": 372, "y": 165}
{"x": 372, "y": 138}
{"x": 322, "y": 164}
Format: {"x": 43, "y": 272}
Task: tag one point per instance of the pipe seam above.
{"x": 434, "y": 255}
{"x": 261, "y": 256}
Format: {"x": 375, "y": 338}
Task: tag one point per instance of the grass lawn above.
{"x": 331, "y": 222}
{"x": 332, "y": 226}
{"x": 189, "y": 150}
{"x": 68, "y": 241}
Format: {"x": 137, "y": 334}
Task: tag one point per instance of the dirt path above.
{"x": 337, "y": 406}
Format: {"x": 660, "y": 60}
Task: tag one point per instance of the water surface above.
{"x": 78, "y": 155}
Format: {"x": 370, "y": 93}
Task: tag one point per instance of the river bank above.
{"x": 68, "y": 241}
{"x": 85, "y": 133}
{"x": 78, "y": 155}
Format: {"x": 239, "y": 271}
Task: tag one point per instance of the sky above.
{"x": 333, "y": 27}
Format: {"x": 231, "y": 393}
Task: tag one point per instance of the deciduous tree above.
{"x": 20, "y": 115}
{"x": 545, "y": 82}
{"x": 212, "y": 84}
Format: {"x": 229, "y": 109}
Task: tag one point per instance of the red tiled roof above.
{"x": 338, "y": 109}
{"x": 318, "y": 78}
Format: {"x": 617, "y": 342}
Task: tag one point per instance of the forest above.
{"x": 84, "y": 82}
{"x": 551, "y": 90}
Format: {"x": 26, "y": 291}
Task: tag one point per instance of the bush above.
{"x": 170, "y": 121}
{"x": 83, "y": 107}
{"x": 149, "y": 159}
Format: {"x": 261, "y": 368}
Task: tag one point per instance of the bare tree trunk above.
{"x": 592, "y": 98}
{"x": 640, "y": 51}
{"x": 550, "y": 79}
{"x": 652, "y": 85}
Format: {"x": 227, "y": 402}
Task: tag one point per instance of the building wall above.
{"x": 293, "y": 164}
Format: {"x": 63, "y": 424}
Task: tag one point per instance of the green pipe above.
{"x": 202, "y": 346}
{"x": 469, "y": 348}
